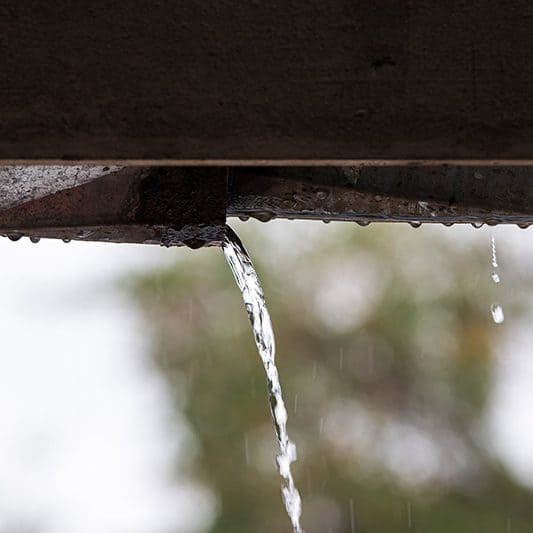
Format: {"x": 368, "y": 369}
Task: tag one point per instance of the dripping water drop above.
{"x": 263, "y": 216}
{"x": 497, "y": 313}
{"x": 494, "y": 256}
{"x": 14, "y": 236}
{"x": 495, "y": 309}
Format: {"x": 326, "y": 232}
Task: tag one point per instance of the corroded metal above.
{"x": 167, "y": 206}
{"x": 188, "y": 205}
{"x": 417, "y": 194}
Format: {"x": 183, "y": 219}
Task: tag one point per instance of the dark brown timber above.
{"x": 248, "y": 81}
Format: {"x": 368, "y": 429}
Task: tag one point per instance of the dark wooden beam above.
{"x": 233, "y": 81}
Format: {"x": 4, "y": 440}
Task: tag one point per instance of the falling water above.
{"x": 494, "y": 256}
{"x": 254, "y": 301}
{"x": 495, "y": 309}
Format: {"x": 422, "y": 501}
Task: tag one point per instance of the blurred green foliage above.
{"x": 386, "y": 352}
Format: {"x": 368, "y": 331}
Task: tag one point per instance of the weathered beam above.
{"x": 239, "y": 82}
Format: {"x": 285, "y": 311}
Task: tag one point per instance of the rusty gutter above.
{"x": 174, "y": 206}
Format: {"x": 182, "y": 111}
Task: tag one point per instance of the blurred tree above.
{"x": 386, "y": 352}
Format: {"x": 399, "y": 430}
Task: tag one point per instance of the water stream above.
{"x": 254, "y": 301}
{"x": 495, "y": 309}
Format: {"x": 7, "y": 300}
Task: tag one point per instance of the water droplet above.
{"x": 326, "y": 221}
{"x": 14, "y": 236}
{"x": 425, "y": 207}
{"x": 193, "y": 243}
{"x": 244, "y": 218}
{"x": 523, "y": 226}
{"x": 477, "y": 225}
{"x": 415, "y": 224}
{"x": 263, "y": 216}
{"x": 66, "y": 241}
{"x": 494, "y": 256}
{"x": 447, "y": 224}
{"x": 35, "y": 240}
{"x": 351, "y": 174}
{"x": 497, "y": 313}
{"x": 496, "y": 309}
{"x": 363, "y": 223}
{"x": 84, "y": 233}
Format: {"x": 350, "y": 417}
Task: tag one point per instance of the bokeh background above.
{"x": 132, "y": 398}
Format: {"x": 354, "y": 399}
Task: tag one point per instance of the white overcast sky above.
{"x": 87, "y": 437}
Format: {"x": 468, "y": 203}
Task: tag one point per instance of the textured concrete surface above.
{"x": 19, "y": 184}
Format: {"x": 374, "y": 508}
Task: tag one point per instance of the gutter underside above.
{"x": 189, "y": 205}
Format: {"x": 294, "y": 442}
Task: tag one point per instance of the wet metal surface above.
{"x": 433, "y": 194}
{"x": 188, "y": 205}
{"x": 167, "y": 206}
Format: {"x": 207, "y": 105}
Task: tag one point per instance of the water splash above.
{"x": 495, "y": 309}
{"x": 254, "y": 301}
